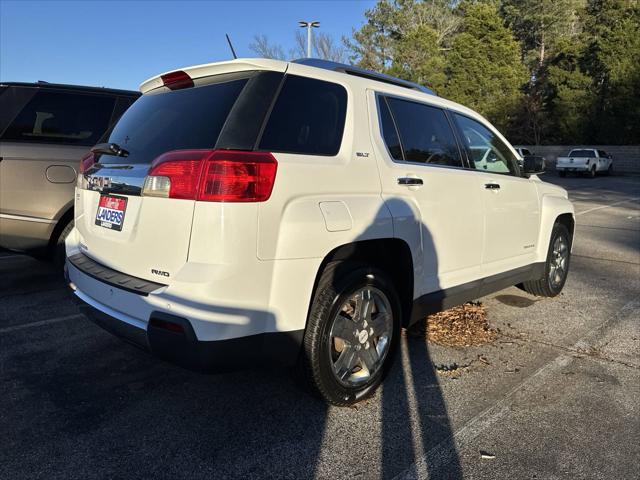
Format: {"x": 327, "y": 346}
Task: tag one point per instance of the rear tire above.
{"x": 352, "y": 333}
{"x": 556, "y": 267}
{"x": 59, "y": 253}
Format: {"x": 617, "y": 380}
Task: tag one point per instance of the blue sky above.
{"x": 119, "y": 44}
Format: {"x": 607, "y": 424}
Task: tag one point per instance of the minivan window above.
{"x": 61, "y": 117}
{"x": 308, "y": 118}
{"x": 488, "y": 153}
{"x": 389, "y": 132}
{"x": 425, "y": 133}
{"x": 191, "y": 118}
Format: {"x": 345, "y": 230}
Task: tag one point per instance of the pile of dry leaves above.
{"x": 462, "y": 326}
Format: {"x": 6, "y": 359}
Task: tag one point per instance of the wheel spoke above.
{"x": 369, "y": 357}
{"x": 343, "y": 366}
{"x": 343, "y": 327}
{"x": 364, "y": 306}
{"x": 380, "y": 323}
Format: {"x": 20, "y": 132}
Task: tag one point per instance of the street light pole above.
{"x": 309, "y": 26}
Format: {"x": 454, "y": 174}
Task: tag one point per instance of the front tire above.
{"x": 610, "y": 170}
{"x": 556, "y": 267}
{"x": 352, "y": 332}
{"x": 592, "y": 172}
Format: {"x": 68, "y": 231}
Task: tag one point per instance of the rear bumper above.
{"x": 572, "y": 168}
{"x": 173, "y": 338}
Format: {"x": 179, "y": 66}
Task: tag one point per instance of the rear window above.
{"x": 308, "y": 117}
{"x": 61, "y": 117}
{"x": 581, "y": 153}
{"x": 179, "y": 119}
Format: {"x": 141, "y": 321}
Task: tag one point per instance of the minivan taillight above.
{"x": 212, "y": 175}
{"x": 87, "y": 161}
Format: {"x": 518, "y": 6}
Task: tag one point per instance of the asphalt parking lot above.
{"x": 557, "y": 395}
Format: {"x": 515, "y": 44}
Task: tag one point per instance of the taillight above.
{"x": 86, "y": 162}
{"x": 212, "y": 176}
{"x": 177, "y": 80}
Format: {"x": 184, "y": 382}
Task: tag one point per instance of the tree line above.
{"x": 542, "y": 71}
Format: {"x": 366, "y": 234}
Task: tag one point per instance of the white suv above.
{"x": 258, "y": 210}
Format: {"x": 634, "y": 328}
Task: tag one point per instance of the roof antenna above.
{"x": 231, "y": 46}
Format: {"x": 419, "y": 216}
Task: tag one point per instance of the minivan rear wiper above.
{"x": 110, "y": 149}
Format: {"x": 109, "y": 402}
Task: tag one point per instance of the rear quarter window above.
{"x": 307, "y": 118}
{"x": 61, "y": 117}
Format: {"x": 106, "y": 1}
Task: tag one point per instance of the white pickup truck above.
{"x": 585, "y": 160}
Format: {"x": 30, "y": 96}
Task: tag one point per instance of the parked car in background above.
{"x": 256, "y": 210}
{"x": 525, "y": 152}
{"x": 590, "y": 161}
{"x": 45, "y": 129}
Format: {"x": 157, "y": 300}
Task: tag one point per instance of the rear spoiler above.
{"x": 209, "y": 69}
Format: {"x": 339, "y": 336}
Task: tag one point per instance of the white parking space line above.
{"x": 438, "y": 457}
{"x": 607, "y": 206}
{"x": 41, "y": 323}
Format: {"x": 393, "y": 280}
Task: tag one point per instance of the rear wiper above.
{"x": 110, "y": 149}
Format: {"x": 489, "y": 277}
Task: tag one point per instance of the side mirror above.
{"x": 533, "y": 164}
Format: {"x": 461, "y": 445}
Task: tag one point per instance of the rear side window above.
{"x": 602, "y": 154}
{"x": 425, "y": 133}
{"x": 525, "y": 152}
{"x": 61, "y": 117}
{"x": 191, "y": 118}
{"x": 488, "y": 153}
{"x": 308, "y": 118}
{"x": 389, "y": 131}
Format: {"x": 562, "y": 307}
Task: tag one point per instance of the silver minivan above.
{"x": 45, "y": 129}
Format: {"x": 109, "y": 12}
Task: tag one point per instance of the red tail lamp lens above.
{"x": 177, "y": 80}
{"x": 215, "y": 175}
{"x": 231, "y": 176}
{"x": 87, "y": 161}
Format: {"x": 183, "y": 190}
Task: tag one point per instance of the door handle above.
{"x": 410, "y": 181}
{"x": 492, "y": 186}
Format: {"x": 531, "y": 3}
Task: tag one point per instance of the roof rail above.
{"x": 361, "y": 72}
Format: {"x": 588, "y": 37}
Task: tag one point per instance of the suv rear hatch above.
{"x": 123, "y": 215}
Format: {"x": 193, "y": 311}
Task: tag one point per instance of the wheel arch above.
{"x": 391, "y": 255}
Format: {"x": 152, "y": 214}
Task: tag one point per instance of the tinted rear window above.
{"x": 308, "y": 117}
{"x": 180, "y": 119}
{"x": 61, "y": 117}
{"x": 425, "y": 133}
{"x": 581, "y": 153}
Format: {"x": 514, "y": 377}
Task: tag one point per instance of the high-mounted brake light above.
{"x": 212, "y": 175}
{"x": 177, "y": 80}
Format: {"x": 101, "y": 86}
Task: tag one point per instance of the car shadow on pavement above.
{"x": 87, "y": 405}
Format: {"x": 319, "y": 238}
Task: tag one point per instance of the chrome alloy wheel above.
{"x": 559, "y": 257}
{"x": 360, "y": 336}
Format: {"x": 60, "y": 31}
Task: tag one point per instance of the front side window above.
{"x": 307, "y": 118}
{"x": 62, "y": 117}
{"x": 488, "y": 153}
{"x": 425, "y": 133}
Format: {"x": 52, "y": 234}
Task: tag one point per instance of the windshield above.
{"x": 180, "y": 119}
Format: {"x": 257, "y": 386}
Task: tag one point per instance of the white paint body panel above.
{"x": 241, "y": 269}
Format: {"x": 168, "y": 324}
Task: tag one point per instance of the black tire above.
{"x": 58, "y": 253}
{"x": 562, "y": 173}
{"x": 592, "y": 172}
{"x": 338, "y": 283}
{"x": 548, "y": 286}
{"x": 610, "y": 170}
